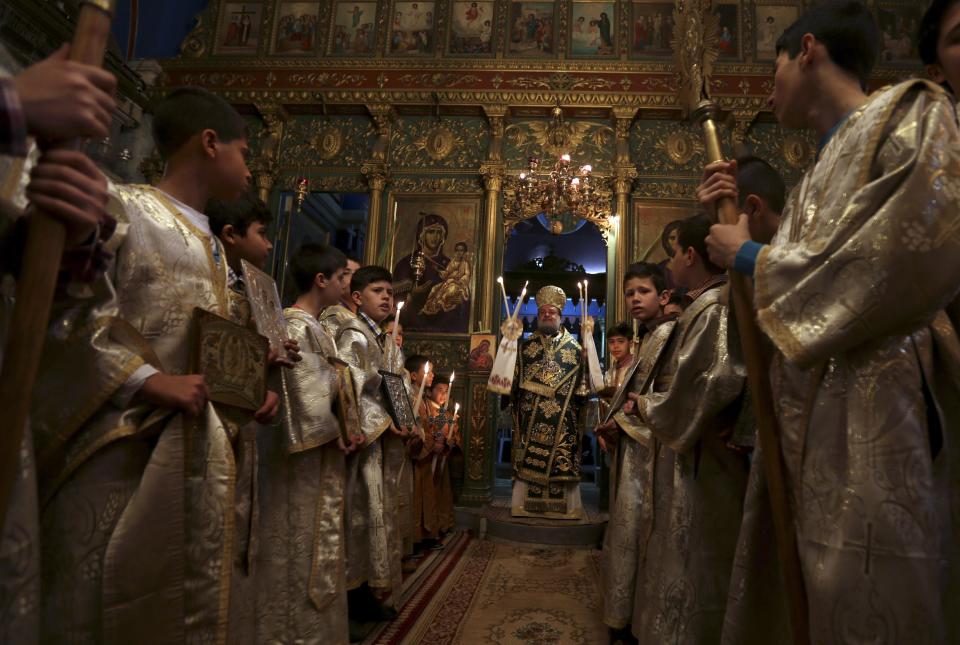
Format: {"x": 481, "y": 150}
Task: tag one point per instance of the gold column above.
{"x": 624, "y": 174}
{"x": 376, "y": 175}
{"x": 489, "y": 301}
{"x": 492, "y": 171}
{"x": 376, "y": 172}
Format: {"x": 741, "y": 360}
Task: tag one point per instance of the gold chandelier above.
{"x": 563, "y": 194}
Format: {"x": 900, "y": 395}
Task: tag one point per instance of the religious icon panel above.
{"x": 471, "y": 27}
{"x": 413, "y": 28}
{"x": 771, "y": 20}
{"x": 592, "y": 28}
{"x": 728, "y": 36}
{"x": 651, "y": 28}
{"x": 654, "y": 231}
{"x": 238, "y": 30}
{"x": 532, "y": 28}
{"x": 434, "y": 268}
{"x": 353, "y": 29}
{"x": 296, "y": 28}
{"x": 899, "y": 23}
{"x": 481, "y": 354}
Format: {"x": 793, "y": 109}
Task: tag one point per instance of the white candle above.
{"x": 586, "y": 301}
{"x": 503, "y": 290}
{"x": 456, "y": 411}
{"x": 423, "y": 384}
{"x": 520, "y": 301}
{"x": 580, "y": 291}
{"x": 396, "y": 323}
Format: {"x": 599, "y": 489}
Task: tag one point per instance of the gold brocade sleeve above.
{"x": 707, "y": 378}
{"x": 352, "y": 348}
{"x": 309, "y": 392}
{"x": 878, "y": 254}
{"x": 640, "y": 374}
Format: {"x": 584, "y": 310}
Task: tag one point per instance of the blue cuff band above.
{"x": 746, "y": 259}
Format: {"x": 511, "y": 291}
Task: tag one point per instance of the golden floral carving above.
{"x": 328, "y": 142}
{"x": 437, "y": 185}
{"x": 478, "y": 432}
{"x": 439, "y": 80}
{"x": 320, "y": 79}
{"x": 681, "y": 147}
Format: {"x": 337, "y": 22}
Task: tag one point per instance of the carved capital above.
{"x": 623, "y": 179}
{"x": 623, "y": 118}
{"x": 493, "y": 175}
{"x": 376, "y": 175}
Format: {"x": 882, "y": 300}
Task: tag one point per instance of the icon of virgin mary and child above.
{"x": 440, "y": 300}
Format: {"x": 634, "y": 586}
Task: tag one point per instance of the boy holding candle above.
{"x": 425, "y": 508}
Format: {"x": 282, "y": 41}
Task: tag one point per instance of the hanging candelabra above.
{"x": 559, "y": 193}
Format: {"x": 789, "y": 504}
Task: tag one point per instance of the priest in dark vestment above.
{"x": 546, "y": 458}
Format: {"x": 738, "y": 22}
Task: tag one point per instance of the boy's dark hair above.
{"x": 676, "y": 296}
{"x": 846, "y": 28}
{"x": 621, "y": 329}
{"x": 352, "y": 258}
{"x": 415, "y": 362}
{"x": 187, "y": 111}
{"x": 365, "y": 276}
{"x": 439, "y": 378}
{"x": 313, "y": 258}
{"x": 646, "y": 270}
{"x": 240, "y": 214}
{"x": 929, "y": 33}
{"x": 693, "y": 233}
{"x": 757, "y": 177}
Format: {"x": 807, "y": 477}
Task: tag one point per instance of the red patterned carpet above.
{"x": 482, "y": 592}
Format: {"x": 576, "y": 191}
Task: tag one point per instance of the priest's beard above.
{"x": 547, "y": 328}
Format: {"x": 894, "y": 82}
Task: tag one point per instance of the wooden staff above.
{"x": 44, "y": 247}
{"x": 758, "y": 377}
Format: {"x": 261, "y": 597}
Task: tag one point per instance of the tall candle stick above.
{"x": 396, "y": 324}
{"x": 503, "y": 290}
{"x": 580, "y": 291}
{"x": 586, "y": 300}
{"x": 450, "y": 388}
{"x": 520, "y": 301}
{"x": 423, "y": 384}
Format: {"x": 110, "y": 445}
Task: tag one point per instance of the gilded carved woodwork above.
{"x": 445, "y": 354}
{"x": 454, "y": 142}
{"x": 479, "y": 431}
{"x": 585, "y": 141}
{"x": 466, "y": 185}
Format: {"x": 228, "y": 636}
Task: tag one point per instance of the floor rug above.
{"x": 482, "y": 592}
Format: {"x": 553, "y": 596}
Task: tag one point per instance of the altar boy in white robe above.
{"x": 135, "y": 466}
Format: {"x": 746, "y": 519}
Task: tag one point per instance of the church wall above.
{"x": 415, "y": 110}
{"x": 420, "y": 111}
